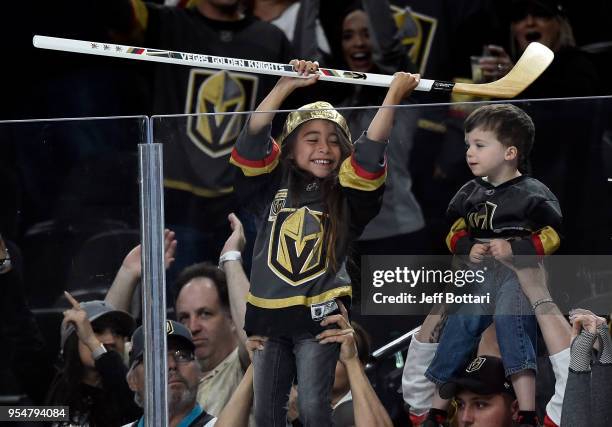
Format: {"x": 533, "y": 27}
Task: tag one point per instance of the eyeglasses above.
{"x": 179, "y": 356}
{"x": 182, "y": 356}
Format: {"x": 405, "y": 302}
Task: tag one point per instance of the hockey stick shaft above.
{"x": 208, "y": 61}
{"x": 261, "y": 67}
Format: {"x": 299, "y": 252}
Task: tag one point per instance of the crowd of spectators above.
{"x": 82, "y": 349}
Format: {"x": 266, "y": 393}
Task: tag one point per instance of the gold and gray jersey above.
{"x": 293, "y": 285}
{"x": 522, "y": 210}
{"x": 198, "y": 180}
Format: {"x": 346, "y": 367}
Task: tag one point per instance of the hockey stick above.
{"x": 530, "y": 65}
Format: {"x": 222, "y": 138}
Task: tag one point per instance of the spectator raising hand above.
{"x": 77, "y": 317}
{"x": 367, "y": 408}
{"x": 589, "y": 383}
{"x": 91, "y": 378}
{"x": 129, "y": 274}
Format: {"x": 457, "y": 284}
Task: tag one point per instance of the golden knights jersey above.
{"x": 293, "y": 286}
{"x": 522, "y": 210}
{"x": 197, "y": 176}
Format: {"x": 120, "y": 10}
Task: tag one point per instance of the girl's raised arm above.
{"x": 402, "y": 85}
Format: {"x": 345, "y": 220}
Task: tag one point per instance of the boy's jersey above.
{"x": 521, "y": 210}
{"x": 293, "y": 284}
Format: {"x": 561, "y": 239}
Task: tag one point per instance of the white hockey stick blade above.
{"x": 530, "y": 66}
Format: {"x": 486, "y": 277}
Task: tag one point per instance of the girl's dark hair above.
{"x": 333, "y": 197}
{"x": 66, "y": 390}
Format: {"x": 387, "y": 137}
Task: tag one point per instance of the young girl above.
{"x": 313, "y": 193}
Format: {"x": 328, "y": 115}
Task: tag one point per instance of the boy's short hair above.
{"x": 511, "y": 125}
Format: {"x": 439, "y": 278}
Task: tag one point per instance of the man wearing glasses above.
{"x": 184, "y": 374}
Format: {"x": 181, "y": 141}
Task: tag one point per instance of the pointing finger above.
{"x": 75, "y": 304}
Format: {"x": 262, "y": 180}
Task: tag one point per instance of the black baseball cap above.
{"x": 484, "y": 375}
{"x": 174, "y": 330}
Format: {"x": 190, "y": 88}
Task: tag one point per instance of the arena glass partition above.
{"x": 70, "y": 212}
{"x": 572, "y": 156}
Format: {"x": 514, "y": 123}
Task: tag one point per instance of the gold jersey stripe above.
{"x": 348, "y": 178}
{"x": 458, "y": 226}
{"x": 431, "y": 125}
{"x": 197, "y": 191}
{"x": 255, "y": 171}
{"x": 299, "y": 299}
{"x": 141, "y": 14}
{"x": 549, "y": 239}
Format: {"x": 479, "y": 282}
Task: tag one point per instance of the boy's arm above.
{"x": 545, "y": 240}
{"x": 458, "y": 239}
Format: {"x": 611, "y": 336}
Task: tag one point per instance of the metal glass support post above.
{"x": 153, "y": 280}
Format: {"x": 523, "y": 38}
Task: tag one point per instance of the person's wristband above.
{"x": 542, "y": 301}
{"x": 98, "y": 351}
{"x": 229, "y": 256}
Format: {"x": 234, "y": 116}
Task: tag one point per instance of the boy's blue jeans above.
{"x": 515, "y": 325}
{"x": 276, "y": 366}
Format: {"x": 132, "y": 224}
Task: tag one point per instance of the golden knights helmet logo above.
{"x": 218, "y": 92}
{"x": 475, "y": 365}
{"x": 417, "y": 31}
{"x": 169, "y": 328}
{"x": 483, "y": 218}
{"x": 278, "y": 203}
{"x": 297, "y": 251}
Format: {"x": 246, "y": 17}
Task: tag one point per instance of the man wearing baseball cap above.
{"x": 184, "y": 375}
{"x": 484, "y": 395}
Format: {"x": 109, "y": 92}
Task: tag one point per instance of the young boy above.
{"x": 499, "y": 214}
